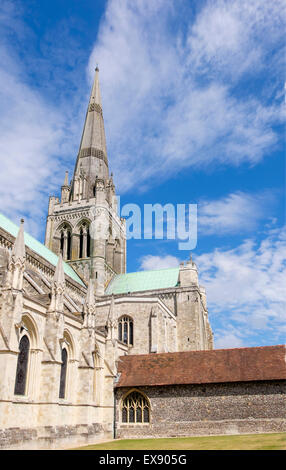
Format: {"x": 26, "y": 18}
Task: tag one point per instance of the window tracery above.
{"x": 135, "y": 409}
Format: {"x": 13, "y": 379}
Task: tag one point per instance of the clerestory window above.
{"x": 125, "y": 330}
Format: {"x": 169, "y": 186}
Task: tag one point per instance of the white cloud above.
{"x": 232, "y": 36}
{"x": 30, "y": 138}
{"x": 159, "y": 117}
{"x": 168, "y": 99}
{"x": 238, "y": 212}
{"x": 35, "y": 134}
{"x": 150, "y": 262}
{"x": 246, "y": 287}
{"x": 228, "y": 340}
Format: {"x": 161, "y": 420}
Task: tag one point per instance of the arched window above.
{"x": 63, "y": 377}
{"x": 22, "y": 366}
{"x": 135, "y": 409}
{"x": 84, "y": 240}
{"x": 125, "y": 330}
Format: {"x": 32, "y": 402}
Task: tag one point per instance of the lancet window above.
{"x": 63, "y": 377}
{"x": 22, "y": 366}
{"x": 84, "y": 241}
{"x": 66, "y": 242}
{"x": 125, "y": 330}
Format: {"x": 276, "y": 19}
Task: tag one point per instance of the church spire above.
{"x": 90, "y": 234}
{"x": 92, "y": 156}
{"x": 95, "y": 92}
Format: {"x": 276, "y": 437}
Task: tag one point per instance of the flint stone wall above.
{"x": 228, "y": 408}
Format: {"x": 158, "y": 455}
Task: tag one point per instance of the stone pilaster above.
{"x": 154, "y": 330}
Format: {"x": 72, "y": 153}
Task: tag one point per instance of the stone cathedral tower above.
{"x": 83, "y": 224}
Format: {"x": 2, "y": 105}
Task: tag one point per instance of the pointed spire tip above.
{"x": 18, "y": 249}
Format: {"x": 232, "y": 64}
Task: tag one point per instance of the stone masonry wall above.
{"x": 53, "y": 437}
{"x": 228, "y": 408}
{"x": 140, "y": 313}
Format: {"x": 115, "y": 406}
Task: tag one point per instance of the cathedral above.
{"x": 90, "y": 352}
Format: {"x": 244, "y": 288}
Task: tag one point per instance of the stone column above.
{"x": 84, "y": 251}
{"x": 75, "y": 246}
{"x": 65, "y": 245}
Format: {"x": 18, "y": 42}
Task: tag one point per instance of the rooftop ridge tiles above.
{"x": 208, "y": 351}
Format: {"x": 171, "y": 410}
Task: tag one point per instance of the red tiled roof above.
{"x": 198, "y": 367}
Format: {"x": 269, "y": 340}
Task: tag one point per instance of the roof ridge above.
{"x": 208, "y": 351}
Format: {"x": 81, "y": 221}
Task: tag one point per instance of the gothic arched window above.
{"x": 22, "y": 366}
{"x": 84, "y": 240}
{"x": 63, "y": 377}
{"x": 125, "y": 330}
{"x": 135, "y": 409}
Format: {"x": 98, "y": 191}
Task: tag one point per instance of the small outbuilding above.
{"x": 223, "y": 391}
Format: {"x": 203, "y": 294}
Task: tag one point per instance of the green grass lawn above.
{"x": 273, "y": 441}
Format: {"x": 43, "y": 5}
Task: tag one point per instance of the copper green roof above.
{"x": 143, "y": 280}
{"x": 38, "y": 247}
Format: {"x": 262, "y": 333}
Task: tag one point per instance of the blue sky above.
{"x": 194, "y": 107}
